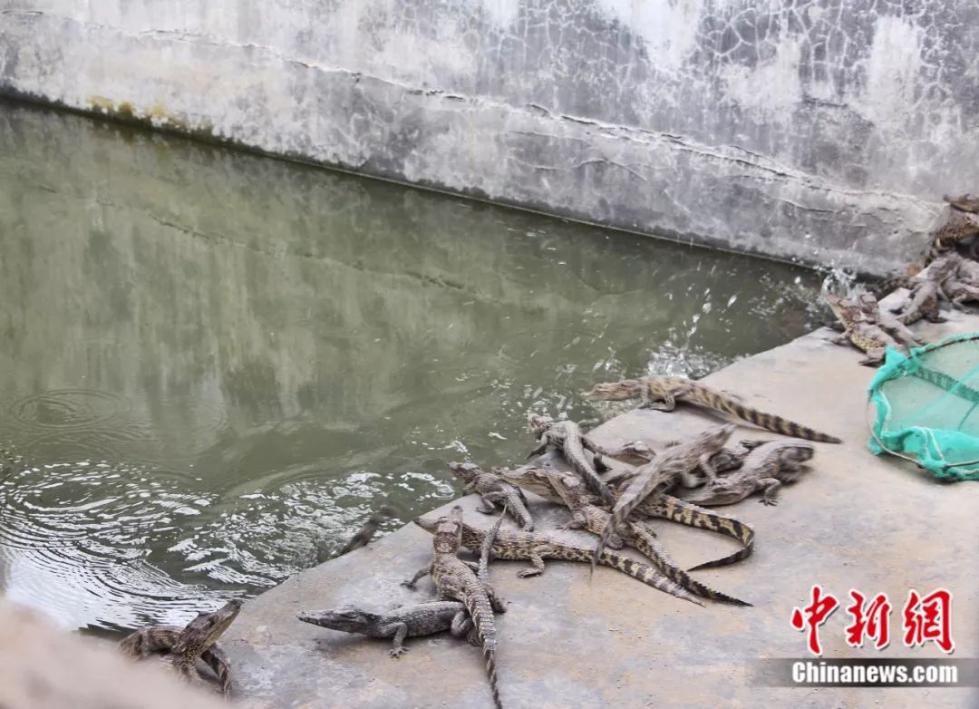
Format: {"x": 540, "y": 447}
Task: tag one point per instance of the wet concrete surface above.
{"x": 854, "y": 521}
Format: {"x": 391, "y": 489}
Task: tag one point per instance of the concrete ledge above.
{"x": 855, "y": 521}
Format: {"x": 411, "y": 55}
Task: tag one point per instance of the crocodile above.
{"x": 926, "y": 295}
{"x": 966, "y": 269}
{"x": 663, "y": 506}
{"x": 406, "y": 621}
{"x": 493, "y": 489}
{"x": 887, "y": 321}
{"x": 865, "y": 334}
{"x": 662, "y": 393}
{"x": 586, "y": 515}
{"x": 185, "y": 646}
{"x": 567, "y": 437}
{"x": 765, "y": 468}
{"x": 725, "y": 460}
{"x": 366, "y": 533}
{"x": 535, "y": 547}
{"x": 456, "y": 580}
{"x": 397, "y": 624}
{"x": 661, "y": 475}
{"x": 959, "y": 226}
{"x": 964, "y": 203}
{"x": 959, "y": 282}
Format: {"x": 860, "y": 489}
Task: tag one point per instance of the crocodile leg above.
{"x": 397, "y": 642}
{"x": 770, "y": 491}
{"x": 486, "y": 505}
{"x": 422, "y": 573}
{"x": 217, "y": 660}
{"x": 536, "y": 560}
{"x": 462, "y": 625}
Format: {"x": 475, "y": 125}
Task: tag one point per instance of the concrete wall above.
{"x": 824, "y": 130}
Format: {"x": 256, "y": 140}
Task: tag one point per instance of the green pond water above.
{"x": 213, "y": 365}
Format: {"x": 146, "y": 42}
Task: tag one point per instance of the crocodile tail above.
{"x": 648, "y": 545}
{"x": 683, "y": 512}
{"x": 481, "y": 613}
{"x": 520, "y": 512}
{"x": 602, "y": 542}
{"x": 770, "y": 422}
{"x": 647, "y": 574}
{"x": 490, "y": 655}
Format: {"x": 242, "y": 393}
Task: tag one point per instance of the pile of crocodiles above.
{"x": 950, "y": 278}
{"x": 612, "y": 493}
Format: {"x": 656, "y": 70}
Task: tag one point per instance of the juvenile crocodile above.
{"x": 185, "y": 646}
{"x": 959, "y": 283}
{"x": 636, "y": 535}
{"x": 960, "y": 225}
{"x": 535, "y": 547}
{"x": 867, "y": 335}
{"x": 455, "y": 580}
{"x": 765, "y": 468}
{"x": 723, "y": 461}
{"x": 926, "y": 295}
{"x": 964, "y": 203}
{"x": 398, "y": 623}
{"x": 405, "y": 621}
{"x": 890, "y": 324}
{"x": 363, "y": 537}
{"x": 661, "y": 507}
{"x": 965, "y": 269}
{"x": 661, "y": 475}
{"x": 662, "y": 393}
{"x": 492, "y": 490}
{"x": 566, "y": 436}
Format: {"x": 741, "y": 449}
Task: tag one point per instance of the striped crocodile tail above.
{"x": 602, "y": 542}
{"x": 648, "y": 545}
{"x": 770, "y": 422}
{"x": 490, "y": 655}
{"x": 686, "y": 513}
{"x": 647, "y": 574}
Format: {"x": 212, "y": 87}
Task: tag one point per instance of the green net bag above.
{"x": 927, "y": 407}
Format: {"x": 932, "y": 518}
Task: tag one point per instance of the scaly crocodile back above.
{"x": 706, "y": 397}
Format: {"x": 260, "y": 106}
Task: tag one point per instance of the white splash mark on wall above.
{"x": 669, "y": 28}
{"x": 893, "y": 71}
{"x": 770, "y": 88}
{"x": 502, "y": 13}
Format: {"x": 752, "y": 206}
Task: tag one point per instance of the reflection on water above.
{"x": 213, "y": 365}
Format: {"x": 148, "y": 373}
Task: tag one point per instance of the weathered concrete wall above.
{"x": 821, "y": 130}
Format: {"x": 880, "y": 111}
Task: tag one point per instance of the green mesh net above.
{"x": 928, "y": 407}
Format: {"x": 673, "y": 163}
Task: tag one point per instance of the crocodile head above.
{"x": 538, "y": 423}
{"x": 867, "y": 303}
{"x": 713, "y": 439}
{"x": 203, "y": 631}
{"x": 615, "y": 391}
{"x": 530, "y": 478}
{"x": 846, "y": 311}
{"x": 347, "y": 618}
{"x": 466, "y": 471}
{"x": 448, "y": 532}
{"x": 799, "y": 452}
